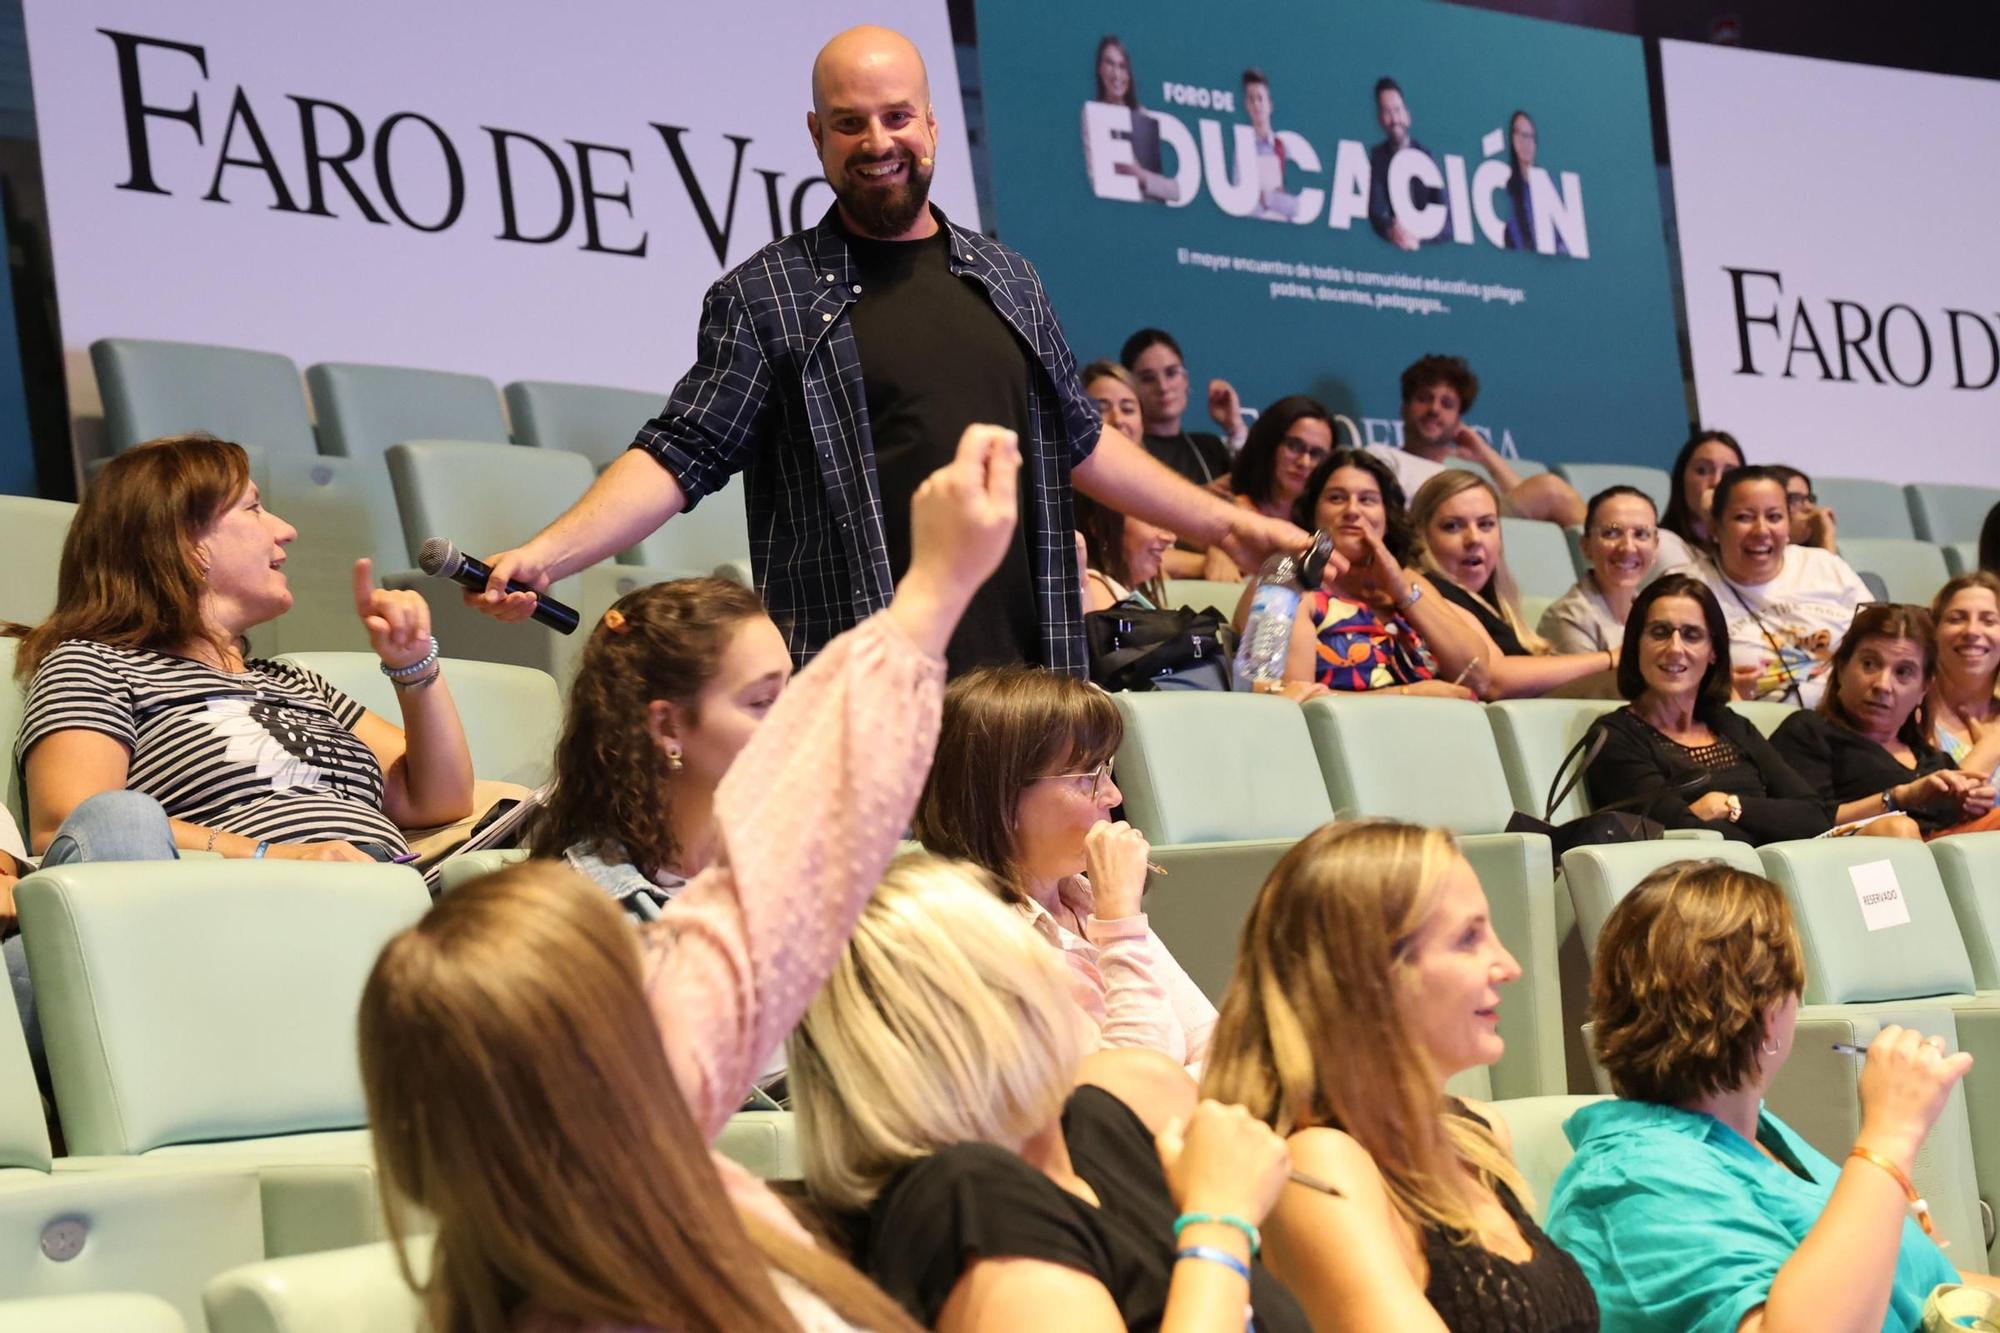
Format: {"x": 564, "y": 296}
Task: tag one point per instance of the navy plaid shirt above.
{"x": 776, "y": 394}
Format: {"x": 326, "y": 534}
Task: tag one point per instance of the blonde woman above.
{"x": 560, "y": 1157}
{"x": 1455, "y": 520}
{"x": 997, "y": 1176}
{"x": 1370, "y": 974}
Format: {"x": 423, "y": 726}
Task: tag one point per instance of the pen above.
{"x": 1315, "y": 1183}
{"x": 1846, "y": 1049}
{"x": 1459, "y": 679}
{"x": 1157, "y": 870}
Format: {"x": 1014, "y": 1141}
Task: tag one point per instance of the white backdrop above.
{"x": 1850, "y": 199}
{"x": 266, "y": 264}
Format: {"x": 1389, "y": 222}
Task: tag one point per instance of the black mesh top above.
{"x": 1476, "y": 1291}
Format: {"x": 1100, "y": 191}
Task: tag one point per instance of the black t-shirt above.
{"x": 1195, "y": 454}
{"x": 1848, "y": 766}
{"x": 1503, "y": 635}
{"x": 936, "y": 357}
{"x": 975, "y": 1200}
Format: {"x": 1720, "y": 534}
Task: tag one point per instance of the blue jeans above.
{"x": 110, "y": 826}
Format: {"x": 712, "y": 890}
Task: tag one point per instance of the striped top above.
{"x": 267, "y": 753}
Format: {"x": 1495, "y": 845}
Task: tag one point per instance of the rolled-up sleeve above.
{"x": 711, "y": 423}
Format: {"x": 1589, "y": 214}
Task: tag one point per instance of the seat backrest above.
{"x": 1599, "y": 877}
{"x": 343, "y": 509}
{"x": 1944, "y": 513}
{"x": 31, "y": 541}
{"x": 1910, "y": 570}
{"x": 24, "y": 1133}
{"x": 1541, "y": 1149}
{"x": 1538, "y": 555}
{"x": 1865, "y": 508}
{"x": 1523, "y": 467}
{"x": 99, "y": 1312}
{"x": 1205, "y": 594}
{"x": 365, "y": 409}
{"x": 331, "y": 1292}
{"x": 586, "y": 419}
{"x": 1422, "y": 760}
{"x": 191, "y": 1001}
{"x": 713, "y": 533}
{"x": 155, "y": 388}
{"x": 483, "y": 497}
{"x": 1218, "y": 767}
{"x": 1533, "y": 735}
{"x": 1590, "y": 478}
{"x": 1767, "y": 715}
{"x": 1874, "y": 918}
{"x": 1969, "y": 866}
{"x": 511, "y": 714}
{"x": 13, "y": 702}
{"x": 1960, "y": 557}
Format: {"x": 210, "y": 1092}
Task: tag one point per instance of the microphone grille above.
{"x": 439, "y": 557}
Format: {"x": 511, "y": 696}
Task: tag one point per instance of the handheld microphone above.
{"x": 439, "y": 558}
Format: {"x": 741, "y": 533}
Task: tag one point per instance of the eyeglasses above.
{"x": 1801, "y": 499}
{"x": 1096, "y": 775}
{"x": 1612, "y": 536}
{"x": 1311, "y": 453}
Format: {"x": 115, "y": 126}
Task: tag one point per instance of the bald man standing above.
{"x": 836, "y": 368}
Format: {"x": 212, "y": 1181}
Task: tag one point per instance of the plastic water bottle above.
{"x": 1267, "y": 638}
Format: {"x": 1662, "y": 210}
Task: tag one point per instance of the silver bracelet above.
{"x": 415, "y": 668}
{"x": 421, "y": 682}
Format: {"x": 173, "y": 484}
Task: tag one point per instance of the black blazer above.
{"x": 1778, "y": 804}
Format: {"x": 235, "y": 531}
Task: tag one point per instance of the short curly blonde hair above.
{"x": 1687, "y": 969}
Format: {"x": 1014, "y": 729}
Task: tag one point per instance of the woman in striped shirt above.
{"x": 141, "y": 681}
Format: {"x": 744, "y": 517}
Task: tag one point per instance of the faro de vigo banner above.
{"x": 1837, "y": 228}
{"x": 502, "y": 187}
{"x": 1309, "y": 197}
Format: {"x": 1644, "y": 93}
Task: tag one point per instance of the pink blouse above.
{"x": 808, "y": 815}
{"x": 1124, "y": 978}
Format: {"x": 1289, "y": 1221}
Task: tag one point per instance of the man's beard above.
{"x": 885, "y": 213}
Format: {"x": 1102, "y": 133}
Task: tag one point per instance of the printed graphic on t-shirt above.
{"x": 269, "y": 739}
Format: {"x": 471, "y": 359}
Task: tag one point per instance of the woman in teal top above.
{"x": 1691, "y": 1208}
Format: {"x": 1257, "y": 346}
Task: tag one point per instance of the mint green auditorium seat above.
{"x": 31, "y": 541}
{"x": 1541, "y": 1149}
{"x": 1866, "y": 508}
{"x": 1921, "y": 962}
{"x": 156, "y": 388}
{"x": 1968, "y": 864}
{"x": 714, "y": 536}
{"x": 587, "y": 419}
{"x": 1911, "y": 570}
{"x": 143, "y": 1228}
{"x": 1538, "y": 554}
{"x": 1945, "y": 513}
{"x": 1815, "y": 1092}
{"x": 1533, "y": 735}
{"x": 463, "y": 869}
{"x": 1960, "y": 557}
{"x": 110, "y": 1312}
{"x": 344, "y": 509}
{"x": 1222, "y": 784}
{"x": 1205, "y": 594}
{"x": 1590, "y": 478}
{"x": 13, "y": 795}
{"x": 1767, "y": 715}
{"x": 511, "y": 714}
{"x": 357, "y": 1290}
{"x": 1533, "y": 608}
{"x": 365, "y": 409}
{"x": 491, "y": 497}
{"x": 1434, "y": 761}
{"x": 202, "y": 1012}
{"x": 1523, "y": 467}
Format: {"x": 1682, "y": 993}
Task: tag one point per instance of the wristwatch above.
{"x": 1735, "y": 807}
{"x": 1416, "y": 593}
{"x": 1889, "y": 805}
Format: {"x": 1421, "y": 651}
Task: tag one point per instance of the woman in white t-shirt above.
{"x": 1787, "y": 606}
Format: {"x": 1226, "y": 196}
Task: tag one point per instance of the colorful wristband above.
{"x": 262, "y": 847}
{"x": 1918, "y": 1205}
{"x": 1214, "y": 1256}
{"x": 1248, "y": 1228}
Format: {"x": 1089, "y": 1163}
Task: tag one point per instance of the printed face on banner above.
{"x": 1459, "y": 182}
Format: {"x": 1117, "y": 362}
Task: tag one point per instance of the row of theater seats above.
{"x": 1224, "y": 785}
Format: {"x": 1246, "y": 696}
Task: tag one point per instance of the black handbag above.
{"x": 1134, "y": 647}
{"x": 1612, "y": 823}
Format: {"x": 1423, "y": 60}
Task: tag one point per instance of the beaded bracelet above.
{"x": 414, "y": 668}
{"x": 1248, "y": 1228}
{"x": 1211, "y": 1254}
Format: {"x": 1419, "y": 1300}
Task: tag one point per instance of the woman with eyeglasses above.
{"x": 1621, "y": 539}
{"x": 1867, "y": 744}
{"x": 1678, "y": 748}
{"x": 1289, "y": 439}
{"x": 1022, "y": 788}
{"x": 1813, "y": 524}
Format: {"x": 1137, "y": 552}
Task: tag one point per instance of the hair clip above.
{"x": 614, "y": 620}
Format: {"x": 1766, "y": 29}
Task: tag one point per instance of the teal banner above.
{"x": 1310, "y": 196}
